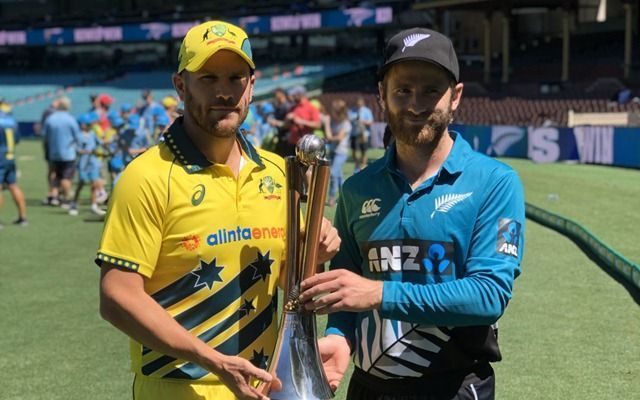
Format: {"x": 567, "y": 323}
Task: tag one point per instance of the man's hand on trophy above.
{"x": 236, "y": 373}
{"x": 335, "y": 353}
{"x": 329, "y": 242}
{"x": 340, "y": 290}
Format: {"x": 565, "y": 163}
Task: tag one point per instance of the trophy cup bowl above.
{"x": 296, "y": 360}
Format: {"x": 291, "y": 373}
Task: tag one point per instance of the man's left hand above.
{"x": 329, "y": 242}
{"x": 340, "y": 290}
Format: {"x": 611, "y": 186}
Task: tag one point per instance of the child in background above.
{"x": 116, "y": 161}
{"x": 89, "y": 165}
{"x": 135, "y": 139}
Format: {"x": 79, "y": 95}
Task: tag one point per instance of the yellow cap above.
{"x": 204, "y": 40}
{"x": 169, "y": 101}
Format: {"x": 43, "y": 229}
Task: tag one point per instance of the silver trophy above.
{"x": 296, "y": 360}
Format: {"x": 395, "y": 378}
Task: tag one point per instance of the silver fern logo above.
{"x": 413, "y": 39}
{"x": 446, "y": 202}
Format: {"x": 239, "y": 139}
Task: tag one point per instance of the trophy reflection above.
{"x": 296, "y": 360}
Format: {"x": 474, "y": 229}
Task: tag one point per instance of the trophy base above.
{"x": 299, "y": 366}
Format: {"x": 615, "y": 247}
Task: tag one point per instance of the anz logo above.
{"x": 370, "y": 208}
{"x": 428, "y": 257}
{"x": 508, "y": 240}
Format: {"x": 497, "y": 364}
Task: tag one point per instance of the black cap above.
{"x": 421, "y": 44}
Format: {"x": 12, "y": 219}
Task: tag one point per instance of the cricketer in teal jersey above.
{"x": 432, "y": 240}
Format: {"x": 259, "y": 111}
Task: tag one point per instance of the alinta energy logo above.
{"x": 198, "y": 195}
{"x": 270, "y": 188}
{"x": 508, "y": 237}
{"x": 239, "y": 233}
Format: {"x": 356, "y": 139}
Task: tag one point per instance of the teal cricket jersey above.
{"x": 448, "y": 253}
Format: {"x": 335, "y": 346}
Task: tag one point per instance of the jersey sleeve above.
{"x": 343, "y": 323}
{"x": 481, "y": 295}
{"x": 132, "y": 234}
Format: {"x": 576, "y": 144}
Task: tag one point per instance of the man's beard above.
{"x": 202, "y": 117}
{"x": 428, "y": 135}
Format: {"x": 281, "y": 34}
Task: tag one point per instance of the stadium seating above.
{"x": 29, "y": 99}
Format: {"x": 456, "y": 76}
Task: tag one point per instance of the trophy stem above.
{"x": 296, "y": 360}
{"x": 295, "y": 188}
{"x": 320, "y": 175}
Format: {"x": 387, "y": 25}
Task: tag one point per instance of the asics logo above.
{"x": 370, "y": 208}
{"x": 198, "y": 195}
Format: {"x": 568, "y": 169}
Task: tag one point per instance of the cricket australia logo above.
{"x": 446, "y": 202}
{"x": 370, "y": 208}
{"x": 218, "y": 30}
{"x": 270, "y": 188}
{"x": 414, "y": 39}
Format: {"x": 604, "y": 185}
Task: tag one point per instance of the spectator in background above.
{"x": 362, "y": 119}
{"x": 9, "y": 137}
{"x": 154, "y": 134}
{"x": 115, "y": 165}
{"x": 325, "y": 119}
{"x": 125, "y": 110}
{"x": 250, "y": 127}
{"x": 104, "y": 102}
{"x": 281, "y": 106}
{"x": 61, "y": 133}
{"x": 337, "y": 132}
{"x": 162, "y": 122}
{"x": 89, "y": 166}
{"x": 146, "y": 111}
{"x": 52, "y": 191}
{"x": 268, "y": 132}
{"x": 303, "y": 118}
{"x": 93, "y": 100}
{"x": 170, "y": 104}
{"x": 134, "y": 141}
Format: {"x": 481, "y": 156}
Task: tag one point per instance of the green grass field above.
{"x": 571, "y": 331}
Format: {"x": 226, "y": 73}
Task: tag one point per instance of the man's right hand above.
{"x": 335, "y": 353}
{"x": 236, "y": 374}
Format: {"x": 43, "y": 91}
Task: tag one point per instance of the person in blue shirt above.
{"x": 135, "y": 139}
{"x": 9, "y": 137}
{"x": 61, "y": 134}
{"x": 146, "y": 111}
{"x": 432, "y": 240}
{"x": 361, "y": 120}
{"x": 89, "y": 166}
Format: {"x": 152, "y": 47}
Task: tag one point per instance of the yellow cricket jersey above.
{"x": 209, "y": 245}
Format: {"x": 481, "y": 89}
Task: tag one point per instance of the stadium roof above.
{"x": 494, "y": 4}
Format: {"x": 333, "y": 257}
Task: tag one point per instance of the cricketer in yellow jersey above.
{"x": 195, "y": 235}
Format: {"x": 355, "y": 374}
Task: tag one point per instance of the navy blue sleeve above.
{"x": 493, "y": 262}
{"x": 343, "y": 323}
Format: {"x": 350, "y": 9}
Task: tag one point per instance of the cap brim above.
{"x": 383, "y": 70}
{"x": 198, "y": 61}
